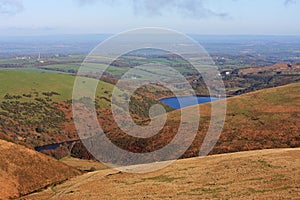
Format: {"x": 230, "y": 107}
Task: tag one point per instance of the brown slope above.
{"x": 23, "y": 170}
{"x": 264, "y": 174}
{"x": 264, "y": 119}
{"x": 279, "y": 67}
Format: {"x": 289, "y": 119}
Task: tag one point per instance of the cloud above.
{"x": 10, "y": 7}
{"x": 85, "y": 2}
{"x": 288, "y": 2}
{"x": 90, "y": 2}
{"x": 186, "y": 8}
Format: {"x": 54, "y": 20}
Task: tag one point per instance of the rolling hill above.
{"x": 264, "y": 119}
{"x": 23, "y": 171}
{"x": 263, "y": 174}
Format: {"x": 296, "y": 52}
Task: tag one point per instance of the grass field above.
{"x": 23, "y": 82}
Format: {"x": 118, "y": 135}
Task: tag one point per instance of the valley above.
{"x": 36, "y": 110}
{"x": 43, "y": 156}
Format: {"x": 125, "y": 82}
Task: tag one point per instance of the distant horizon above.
{"x": 222, "y": 17}
{"x": 110, "y": 34}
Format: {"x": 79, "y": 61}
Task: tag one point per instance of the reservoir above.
{"x": 185, "y": 101}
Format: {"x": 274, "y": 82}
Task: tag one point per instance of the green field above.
{"x": 15, "y": 82}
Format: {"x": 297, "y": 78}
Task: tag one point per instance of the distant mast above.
{"x": 39, "y": 59}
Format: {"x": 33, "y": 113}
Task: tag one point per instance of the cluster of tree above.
{"x": 253, "y": 82}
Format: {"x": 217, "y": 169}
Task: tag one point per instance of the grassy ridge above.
{"x": 23, "y": 171}
{"x": 266, "y": 174}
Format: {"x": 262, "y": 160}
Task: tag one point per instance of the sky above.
{"x": 224, "y": 17}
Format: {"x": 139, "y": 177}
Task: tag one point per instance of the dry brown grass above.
{"x": 83, "y": 165}
{"x": 265, "y": 119}
{"x": 264, "y": 174}
{"x": 23, "y": 170}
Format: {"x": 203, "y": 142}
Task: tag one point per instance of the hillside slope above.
{"x": 35, "y": 108}
{"x": 264, "y": 174}
{"x": 265, "y": 119}
{"x": 23, "y": 170}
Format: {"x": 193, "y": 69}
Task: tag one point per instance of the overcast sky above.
{"x": 47, "y": 17}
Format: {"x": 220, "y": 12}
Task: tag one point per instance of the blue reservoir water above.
{"x": 185, "y": 101}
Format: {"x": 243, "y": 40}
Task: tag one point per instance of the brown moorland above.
{"x": 262, "y": 174}
{"x": 23, "y": 170}
{"x": 264, "y": 119}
